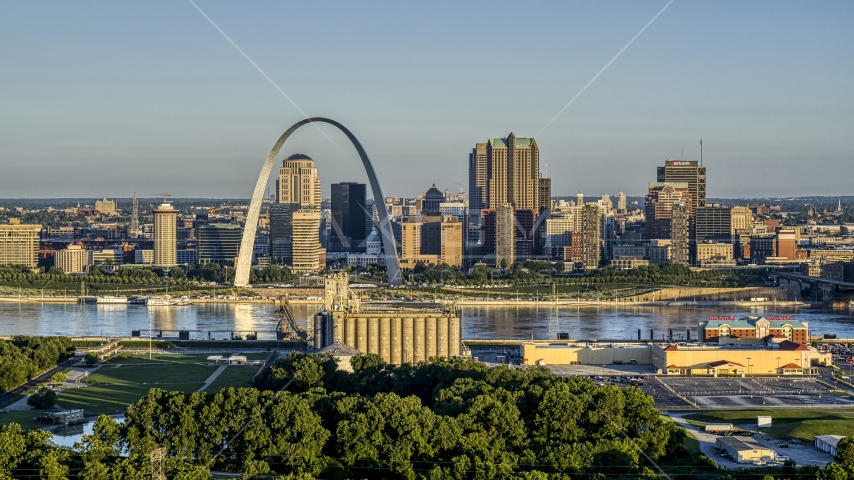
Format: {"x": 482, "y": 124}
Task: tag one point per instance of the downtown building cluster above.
{"x": 509, "y": 215}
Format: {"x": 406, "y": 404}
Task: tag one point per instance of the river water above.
{"x": 482, "y": 322}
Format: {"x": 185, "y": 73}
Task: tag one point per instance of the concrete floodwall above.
{"x": 697, "y": 294}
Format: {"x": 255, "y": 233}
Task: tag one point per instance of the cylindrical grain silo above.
{"x": 442, "y": 336}
{"x": 385, "y": 338}
{"x": 408, "y": 337}
{"x": 337, "y": 332}
{"x": 374, "y": 335}
{"x": 419, "y": 343}
{"x": 396, "y": 340}
{"x": 321, "y": 321}
{"x": 431, "y": 335}
{"x": 361, "y": 333}
{"x": 350, "y": 332}
{"x": 454, "y": 334}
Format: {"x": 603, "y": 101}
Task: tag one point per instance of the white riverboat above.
{"x": 167, "y": 301}
{"x": 112, "y": 300}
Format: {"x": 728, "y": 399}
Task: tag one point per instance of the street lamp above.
{"x": 748, "y": 365}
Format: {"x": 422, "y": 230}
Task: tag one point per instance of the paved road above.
{"x": 11, "y": 394}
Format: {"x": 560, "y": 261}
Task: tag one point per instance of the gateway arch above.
{"x": 244, "y": 259}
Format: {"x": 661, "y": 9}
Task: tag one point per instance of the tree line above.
{"x": 21, "y": 358}
{"x": 537, "y": 272}
{"x": 443, "y": 419}
{"x": 147, "y": 275}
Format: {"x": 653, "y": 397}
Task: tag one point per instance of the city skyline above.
{"x": 763, "y": 84}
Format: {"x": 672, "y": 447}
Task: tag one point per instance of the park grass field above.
{"x": 24, "y": 418}
{"x": 126, "y": 378}
{"x": 237, "y": 376}
{"x": 799, "y": 424}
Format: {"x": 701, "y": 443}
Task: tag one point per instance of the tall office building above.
{"x": 431, "y": 239}
{"x": 298, "y": 181}
{"x": 621, "y": 203}
{"x": 105, "y": 207}
{"x": 579, "y": 199}
{"x": 526, "y": 233}
{"x": 659, "y": 203}
{"x": 349, "y": 214}
{"x": 679, "y": 233}
{"x": 218, "y": 243}
{"x": 690, "y": 172}
{"x": 606, "y": 202}
{"x": 73, "y": 259}
{"x": 740, "y": 219}
{"x": 713, "y": 223}
{"x": 308, "y": 254}
{"x": 281, "y": 233}
{"x": 787, "y": 243}
{"x": 513, "y": 172}
{"x": 19, "y": 245}
{"x": 545, "y": 200}
{"x": 505, "y": 234}
{"x": 431, "y": 201}
{"x": 478, "y": 199}
{"x": 478, "y": 181}
{"x": 558, "y": 234}
{"x": 591, "y": 245}
{"x": 165, "y": 235}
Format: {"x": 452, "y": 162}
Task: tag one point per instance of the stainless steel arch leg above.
{"x": 244, "y": 259}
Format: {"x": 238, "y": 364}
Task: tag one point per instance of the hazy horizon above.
{"x": 109, "y": 98}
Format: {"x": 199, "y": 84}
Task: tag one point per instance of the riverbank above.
{"x": 466, "y": 302}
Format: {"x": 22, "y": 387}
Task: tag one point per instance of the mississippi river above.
{"x": 482, "y": 322}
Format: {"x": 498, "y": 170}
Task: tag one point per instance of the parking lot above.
{"x": 602, "y": 371}
{"x": 710, "y": 386}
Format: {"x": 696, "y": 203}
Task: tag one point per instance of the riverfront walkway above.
{"x": 213, "y": 376}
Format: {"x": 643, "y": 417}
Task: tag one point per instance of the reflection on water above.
{"x": 512, "y": 322}
{"x": 68, "y": 435}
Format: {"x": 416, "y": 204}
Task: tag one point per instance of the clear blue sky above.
{"x": 104, "y": 98}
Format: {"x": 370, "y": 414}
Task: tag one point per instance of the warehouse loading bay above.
{"x": 698, "y": 392}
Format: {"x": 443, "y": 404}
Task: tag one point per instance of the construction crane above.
{"x": 287, "y": 329}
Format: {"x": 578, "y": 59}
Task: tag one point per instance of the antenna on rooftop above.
{"x": 701, "y": 152}
{"x": 164, "y": 195}
{"x": 134, "y": 219}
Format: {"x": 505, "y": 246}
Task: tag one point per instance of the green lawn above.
{"x": 794, "y": 423}
{"x": 237, "y": 376}
{"x": 256, "y": 355}
{"x": 691, "y": 443}
{"x": 162, "y": 359}
{"x": 127, "y": 378}
{"x": 24, "y": 418}
{"x": 113, "y": 398}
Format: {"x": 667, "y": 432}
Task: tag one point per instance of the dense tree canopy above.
{"x": 443, "y": 419}
{"x": 22, "y": 357}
